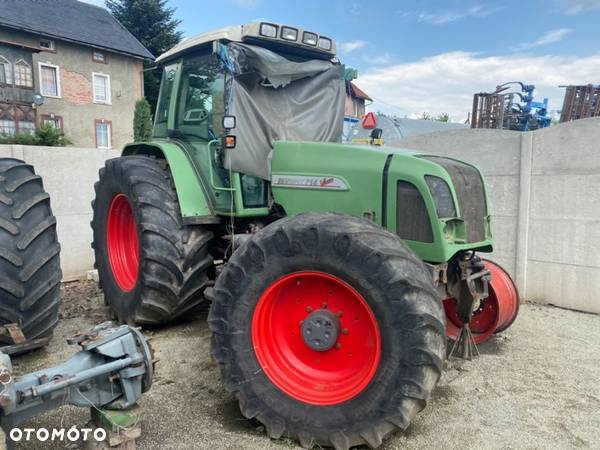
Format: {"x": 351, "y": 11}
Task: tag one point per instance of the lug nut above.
{"x": 338, "y": 345}
{"x": 345, "y": 331}
{"x": 324, "y": 305}
{"x": 309, "y": 309}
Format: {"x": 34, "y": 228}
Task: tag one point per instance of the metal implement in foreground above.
{"x": 112, "y": 370}
{"x": 326, "y": 264}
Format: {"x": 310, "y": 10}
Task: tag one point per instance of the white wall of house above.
{"x": 544, "y": 194}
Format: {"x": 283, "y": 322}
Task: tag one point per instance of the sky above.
{"x": 432, "y": 55}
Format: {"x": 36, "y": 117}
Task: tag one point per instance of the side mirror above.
{"x": 228, "y": 122}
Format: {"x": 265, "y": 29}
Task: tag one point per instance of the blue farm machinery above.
{"x": 510, "y": 107}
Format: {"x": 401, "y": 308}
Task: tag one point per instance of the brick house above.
{"x": 85, "y": 64}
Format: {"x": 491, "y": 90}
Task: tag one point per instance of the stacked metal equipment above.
{"x": 580, "y": 102}
{"x": 500, "y": 110}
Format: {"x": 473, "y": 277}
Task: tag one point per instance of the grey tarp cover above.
{"x": 274, "y": 99}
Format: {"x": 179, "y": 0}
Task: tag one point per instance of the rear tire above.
{"x": 30, "y": 272}
{"x": 354, "y": 261}
{"x": 151, "y": 266}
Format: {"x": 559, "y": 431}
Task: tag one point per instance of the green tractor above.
{"x": 331, "y": 268}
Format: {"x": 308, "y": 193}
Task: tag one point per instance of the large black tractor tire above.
{"x": 29, "y": 253}
{"x": 152, "y": 267}
{"x": 331, "y": 296}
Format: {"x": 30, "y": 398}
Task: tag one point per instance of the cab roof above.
{"x": 248, "y": 32}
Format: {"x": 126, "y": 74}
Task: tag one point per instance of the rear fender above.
{"x": 193, "y": 201}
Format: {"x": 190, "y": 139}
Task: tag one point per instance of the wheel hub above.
{"x": 320, "y": 330}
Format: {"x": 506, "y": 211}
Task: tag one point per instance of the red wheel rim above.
{"x": 482, "y": 324}
{"x": 317, "y": 377}
{"x": 497, "y": 312}
{"x": 122, "y": 242}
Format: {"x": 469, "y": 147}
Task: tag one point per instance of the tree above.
{"x": 154, "y": 25}
{"x": 443, "y": 117}
{"x": 142, "y": 121}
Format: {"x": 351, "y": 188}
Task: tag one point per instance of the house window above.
{"x": 101, "y": 84}
{"x": 23, "y": 75}
{"x": 100, "y": 57}
{"x": 26, "y": 127}
{"x": 50, "y": 80}
{"x": 103, "y": 133}
{"x": 7, "y": 127}
{"x": 47, "y": 44}
{"x": 55, "y": 122}
{"x": 5, "y": 71}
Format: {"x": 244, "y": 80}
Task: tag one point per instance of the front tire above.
{"x": 376, "y": 342}
{"x": 151, "y": 266}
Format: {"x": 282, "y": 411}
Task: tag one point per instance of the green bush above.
{"x": 142, "y": 121}
{"x": 46, "y": 136}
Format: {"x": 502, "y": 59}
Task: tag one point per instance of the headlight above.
{"x": 268, "y": 30}
{"x": 444, "y": 204}
{"x": 309, "y": 38}
{"x": 289, "y": 34}
{"x": 324, "y": 43}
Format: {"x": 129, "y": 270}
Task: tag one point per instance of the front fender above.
{"x": 193, "y": 199}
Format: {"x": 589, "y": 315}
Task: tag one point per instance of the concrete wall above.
{"x": 69, "y": 175}
{"x": 545, "y": 204}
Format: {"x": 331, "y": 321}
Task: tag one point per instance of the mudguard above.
{"x": 193, "y": 199}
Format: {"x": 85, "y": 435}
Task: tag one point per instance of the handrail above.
{"x": 210, "y": 168}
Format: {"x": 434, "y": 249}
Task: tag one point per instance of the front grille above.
{"x": 471, "y": 195}
{"x": 412, "y": 220}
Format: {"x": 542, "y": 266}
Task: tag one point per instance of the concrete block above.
{"x": 75, "y": 237}
{"x": 503, "y": 194}
{"x": 504, "y": 232}
{"x": 574, "y": 287}
{"x": 69, "y": 175}
{"x": 567, "y": 241}
{"x": 5, "y": 151}
{"x": 566, "y": 196}
{"x": 495, "y": 152}
{"x": 571, "y": 147}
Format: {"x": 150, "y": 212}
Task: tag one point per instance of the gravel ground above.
{"x": 534, "y": 386}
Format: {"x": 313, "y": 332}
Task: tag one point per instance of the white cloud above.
{"x": 350, "y": 46}
{"x": 578, "y": 6}
{"x": 380, "y": 60}
{"x": 549, "y": 37}
{"x": 443, "y": 17}
{"x": 447, "y": 82}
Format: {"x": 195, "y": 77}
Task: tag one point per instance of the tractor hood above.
{"x": 438, "y": 205}
{"x": 274, "y": 99}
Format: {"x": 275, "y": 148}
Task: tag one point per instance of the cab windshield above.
{"x": 200, "y": 104}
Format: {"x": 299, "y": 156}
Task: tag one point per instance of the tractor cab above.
{"x": 228, "y": 95}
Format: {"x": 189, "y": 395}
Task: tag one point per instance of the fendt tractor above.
{"x": 331, "y": 268}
